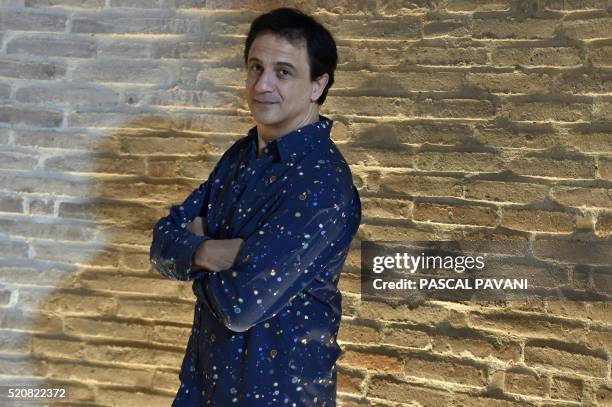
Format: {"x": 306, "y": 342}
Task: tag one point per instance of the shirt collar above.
{"x": 299, "y": 142}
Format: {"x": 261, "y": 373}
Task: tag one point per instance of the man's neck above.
{"x": 265, "y": 134}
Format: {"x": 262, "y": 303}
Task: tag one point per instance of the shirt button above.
{"x": 303, "y": 196}
{"x": 273, "y": 178}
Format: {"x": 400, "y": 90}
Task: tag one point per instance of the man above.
{"x": 265, "y": 237}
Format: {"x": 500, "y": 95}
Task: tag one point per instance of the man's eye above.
{"x": 255, "y": 67}
{"x": 284, "y": 72}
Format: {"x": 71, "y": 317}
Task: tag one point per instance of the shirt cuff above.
{"x": 184, "y": 261}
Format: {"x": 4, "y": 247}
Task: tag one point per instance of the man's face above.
{"x": 278, "y": 85}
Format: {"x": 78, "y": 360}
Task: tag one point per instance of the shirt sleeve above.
{"x": 274, "y": 264}
{"x": 173, "y": 246}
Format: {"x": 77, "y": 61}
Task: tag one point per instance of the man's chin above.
{"x": 265, "y": 119}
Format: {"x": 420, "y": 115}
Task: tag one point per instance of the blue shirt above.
{"x": 264, "y": 331}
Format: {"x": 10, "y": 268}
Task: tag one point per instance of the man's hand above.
{"x": 197, "y": 226}
{"x": 216, "y": 255}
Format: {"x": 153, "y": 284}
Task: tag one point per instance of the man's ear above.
{"x": 318, "y": 86}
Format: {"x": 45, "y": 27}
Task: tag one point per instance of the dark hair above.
{"x": 295, "y": 26}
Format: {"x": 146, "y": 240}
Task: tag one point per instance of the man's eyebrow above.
{"x": 281, "y": 63}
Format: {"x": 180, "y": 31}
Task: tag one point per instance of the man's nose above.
{"x": 265, "y": 81}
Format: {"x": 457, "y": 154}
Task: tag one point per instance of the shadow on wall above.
{"x": 87, "y": 310}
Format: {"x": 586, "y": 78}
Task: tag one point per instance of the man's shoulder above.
{"x": 330, "y": 178}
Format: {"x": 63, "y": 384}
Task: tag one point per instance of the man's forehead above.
{"x": 269, "y": 45}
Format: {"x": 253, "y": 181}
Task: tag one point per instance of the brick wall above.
{"x": 463, "y": 119}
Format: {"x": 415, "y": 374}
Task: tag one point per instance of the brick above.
{"x": 547, "y": 111}
{"x": 479, "y": 5}
{"x": 12, "y": 249}
{"x": 443, "y": 25}
{"x": 400, "y": 157}
{"x": 32, "y": 21}
{"x": 114, "y": 397}
{"x": 51, "y": 46}
{"x": 199, "y": 99}
{"x": 18, "y": 366}
{"x": 5, "y": 90}
{"x": 131, "y": 355}
{"x": 87, "y": 4}
{"x": 390, "y": 134}
{"x": 595, "y": 311}
{"x": 574, "y": 4}
{"x": 386, "y": 208}
{"x": 36, "y": 321}
{"x": 458, "y": 162}
{"x": 112, "y": 212}
{"x": 390, "y": 233}
{"x": 565, "y": 388}
{"x": 357, "y": 333}
{"x": 391, "y": 28}
{"x": 67, "y": 94}
{"x": 94, "y": 327}
{"x": 171, "y": 335}
{"x": 349, "y": 382}
{"x": 465, "y": 215}
{"x": 455, "y": 108}
{"x": 110, "y": 23}
{"x": 537, "y": 220}
{"x": 100, "y": 374}
{"x": 30, "y": 116}
{"x": 61, "y": 231}
{"x": 510, "y": 82}
{"x": 605, "y": 167}
{"x": 425, "y": 314}
{"x": 536, "y": 56}
{"x": 16, "y": 160}
{"x": 420, "y": 185}
{"x": 95, "y": 163}
{"x": 70, "y": 253}
{"x": 370, "y": 106}
{"x": 587, "y": 29}
{"x": 600, "y": 57}
{"x": 528, "y": 325}
{"x": 394, "y": 390}
{"x": 116, "y": 283}
{"x": 444, "y": 369}
{"x": 583, "y": 197}
{"x": 41, "y": 207}
{"x": 31, "y": 69}
{"x": 405, "y": 337}
{"x": 565, "y": 360}
{"x": 64, "y": 139}
{"x": 554, "y": 168}
{"x": 170, "y": 311}
{"x": 479, "y": 346}
{"x": 124, "y": 71}
{"x": 602, "y": 111}
{"x": 14, "y": 343}
{"x": 396, "y": 83}
{"x": 526, "y": 384}
{"x": 515, "y": 192}
{"x": 603, "y": 226}
{"x": 66, "y": 303}
{"x": 135, "y": 3}
{"x": 579, "y": 82}
{"x": 532, "y": 136}
{"x": 370, "y": 361}
{"x": 514, "y": 29}
{"x": 11, "y": 204}
{"x": 604, "y": 394}
{"x": 61, "y": 348}
{"x": 40, "y": 183}
{"x": 592, "y": 141}
{"x": 576, "y": 252}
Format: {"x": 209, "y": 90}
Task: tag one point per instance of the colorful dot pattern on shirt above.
{"x": 264, "y": 331}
